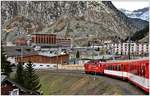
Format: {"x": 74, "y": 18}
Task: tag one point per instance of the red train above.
{"x": 135, "y": 71}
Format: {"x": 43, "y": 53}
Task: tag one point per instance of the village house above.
{"x": 40, "y": 59}
{"x": 9, "y": 87}
{"x": 14, "y": 51}
{"x": 43, "y": 62}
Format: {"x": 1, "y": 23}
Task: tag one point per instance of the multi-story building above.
{"x": 62, "y": 42}
{"x": 43, "y": 62}
{"x": 123, "y": 48}
{"x": 44, "y": 39}
{"x": 21, "y": 42}
{"x": 50, "y": 40}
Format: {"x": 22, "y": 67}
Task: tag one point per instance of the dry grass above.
{"x": 57, "y": 84}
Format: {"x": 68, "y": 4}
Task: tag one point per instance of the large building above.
{"x": 62, "y": 42}
{"x": 42, "y": 62}
{"x": 14, "y": 51}
{"x": 123, "y": 48}
{"x": 44, "y": 39}
{"x": 21, "y": 42}
{"x": 50, "y": 40}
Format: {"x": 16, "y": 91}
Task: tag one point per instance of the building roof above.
{"x": 4, "y": 78}
{"x": 44, "y": 34}
{"x": 19, "y": 50}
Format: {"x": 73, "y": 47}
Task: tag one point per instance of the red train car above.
{"x": 138, "y": 74}
{"x": 92, "y": 66}
{"x": 135, "y": 71}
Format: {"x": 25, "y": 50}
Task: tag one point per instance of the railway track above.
{"x": 126, "y": 87}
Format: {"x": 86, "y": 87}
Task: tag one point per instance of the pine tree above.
{"x": 78, "y": 54}
{"x": 19, "y": 77}
{"x": 31, "y": 81}
{"x": 5, "y": 65}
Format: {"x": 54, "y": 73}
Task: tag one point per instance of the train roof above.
{"x": 124, "y": 61}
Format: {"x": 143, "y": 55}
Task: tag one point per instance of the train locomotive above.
{"x": 135, "y": 71}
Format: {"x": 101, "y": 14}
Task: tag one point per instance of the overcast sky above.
{"x": 131, "y": 5}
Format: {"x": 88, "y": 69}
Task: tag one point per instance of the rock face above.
{"x": 80, "y": 20}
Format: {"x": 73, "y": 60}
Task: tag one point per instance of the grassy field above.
{"x": 56, "y": 84}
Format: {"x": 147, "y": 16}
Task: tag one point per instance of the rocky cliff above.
{"x": 82, "y": 21}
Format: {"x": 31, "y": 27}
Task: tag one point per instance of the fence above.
{"x": 71, "y": 67}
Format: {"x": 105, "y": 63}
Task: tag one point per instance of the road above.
{"x": 126, "y": 87}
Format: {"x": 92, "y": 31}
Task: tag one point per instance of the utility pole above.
{"x": 129, "y": 39}
{"x": 93, "y": 59}
{"x": 57, "y": 58}
{"x": 21, "y": 53}
{"x": 129, "y": 47}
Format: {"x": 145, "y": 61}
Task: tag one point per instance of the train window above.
{"x": 118, "y": 67}
{"x": 143, "y": 70}
{"x": 114, "y": 67}
{"x": 110, "y": 67}
{"x": 138, "y": 70}
{"x": 122, "y": 68}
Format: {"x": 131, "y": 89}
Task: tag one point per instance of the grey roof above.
{"x": 11, "y": 51}
{"x": 2, "y": 78}
{"x": 17, "y": 85}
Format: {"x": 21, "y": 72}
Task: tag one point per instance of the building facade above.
{"x": 123, "y": 48}
{"x": 11, "y": 88}
{"x": 40, "y": 61}
{"x": 21, "y": 42}
{"x": 44, "y": 38}
{"x": 62, "y": 42}
{"x": 47, "y": 40}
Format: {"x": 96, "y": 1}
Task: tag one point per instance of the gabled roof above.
{"x": 4, "y": 78}
{"x": 19, "y": 50}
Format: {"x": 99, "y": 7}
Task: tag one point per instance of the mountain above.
{"x": 82, "y": 21}
{"x": 140, "y": 13}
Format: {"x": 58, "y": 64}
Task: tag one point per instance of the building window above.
{"x": 41, "y": 65}
{"x": 47, "y": 65}
{"x": 18, "y": 49}
{"x": 28, "y": 49}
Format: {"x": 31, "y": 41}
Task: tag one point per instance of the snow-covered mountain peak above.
{"x": 140, "y": 13}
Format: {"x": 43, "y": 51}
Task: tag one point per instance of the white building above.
{"x": 123, "y": 48}
{"x": 10, "y": 44}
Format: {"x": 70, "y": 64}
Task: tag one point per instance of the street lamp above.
{"x": 93, "y": 59}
